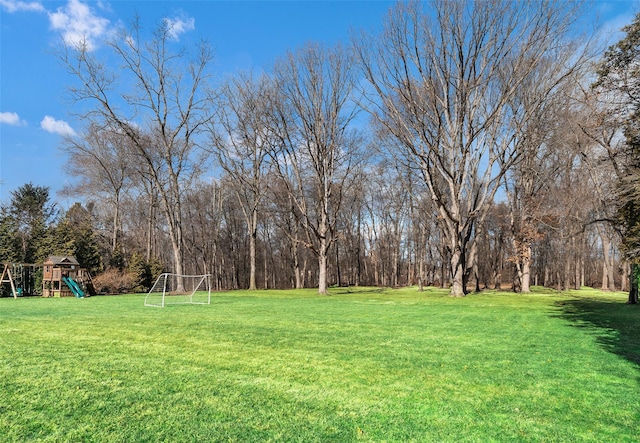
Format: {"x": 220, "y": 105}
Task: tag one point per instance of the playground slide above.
{"x": 74, "y": 286}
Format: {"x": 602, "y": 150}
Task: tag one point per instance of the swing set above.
{"x": 20, "y": 278}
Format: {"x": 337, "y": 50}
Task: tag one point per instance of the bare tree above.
{"x": 599, "y": 145}
{"x": 598, "y": 131}
{"x": 351, "y": 228}
{"x": 442, "y": 83}
{"x": 242, "y": 143}
{"x": 97, "y": 159}
{"x": 388, "y": 206}
{"x": 154, "y": 96}
{"x": 317, "y": 150}
{"x": 542, "y": 121}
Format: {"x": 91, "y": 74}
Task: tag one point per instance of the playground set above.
{"x": 62, "y": 276}
{"x": 19, "y": 278}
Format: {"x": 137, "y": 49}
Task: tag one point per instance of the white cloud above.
{"x": 17, "y": 6}
{"x": 54, "y": 126}
{"x": 11, "y": 118}
{"x": 179, "y": 25}
{"x": 78, "y": 24}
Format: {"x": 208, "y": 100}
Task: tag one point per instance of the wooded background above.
{"x": 469, "y": 145}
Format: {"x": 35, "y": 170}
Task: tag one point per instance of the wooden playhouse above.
{"x": 63, "y": 277}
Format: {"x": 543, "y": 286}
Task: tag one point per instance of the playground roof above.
{"x": 62, "y": 260}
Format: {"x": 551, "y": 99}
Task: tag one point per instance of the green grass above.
{"x": 361, "y": 365}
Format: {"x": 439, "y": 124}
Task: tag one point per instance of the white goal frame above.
{"x": 161, "y": 294}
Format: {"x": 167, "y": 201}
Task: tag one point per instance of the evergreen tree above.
{"x": 78, "y": 222}
{"x": 140, "y": 272}
{"x": 619, "y": 74}
{"x": 144, "y": 273}
{"x": 9, "y": 242}
{"x": 629, "y": 205}
{"x": 33, "y": 215}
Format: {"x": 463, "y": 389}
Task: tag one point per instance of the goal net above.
{"x": 175, "y": 289}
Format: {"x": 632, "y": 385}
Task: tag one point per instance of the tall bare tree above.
{"x": 317, "y": 148}
{"x": 442, "y": 77}
{"x": 599, "y": 140}
{"x": 542, "y": 118}
{"x": 242, "y": 143}
{"x": 152, "y": 93}
{"x": 97, "y": 159}
{"x": 388, "y": 207}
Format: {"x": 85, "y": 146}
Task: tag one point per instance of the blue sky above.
{"x": 35, "y": 115}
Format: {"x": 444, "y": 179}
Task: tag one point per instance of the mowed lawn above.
{"x": 359, "y": 365}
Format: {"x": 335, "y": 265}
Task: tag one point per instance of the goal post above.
{"x": 175, "y": 289}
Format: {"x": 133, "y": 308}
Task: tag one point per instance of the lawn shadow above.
{"x": 615, "y": 322}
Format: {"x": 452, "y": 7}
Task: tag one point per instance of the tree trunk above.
{"x": 116, "y": 217}
{"x": 608, "y": 281}
{"x": 525, "y": 277}
{"x": 396, "y": 267}
{"x": 471, "y": 266}
{"x": 457, "y": 277}
{"x": 421, "y": 273}
{"x": 304, "y": 273}
{"x": 296, "y": 268}
{"x": 358, "y": 277}
{"x": 443, "y": 268}
{"x": 633, "y": 291}
{"x": 566, "y": 285}
{"x": 545, "y": 278}
{"x": 338, "y": 276}
{"x": 252, "y": 249}
{"x": 524, "y": 270}
{"x": 150, "y": 227}
{"x": 633, "y": 295}
{"x": 174, "y": 223}
{"x": 374, "y": 263}
{"x": 497, "y": 280}
{"x": 624, "y": 277}
{"x": 606, "y": 244}
{"x": 178, "y": 263}
{"x": 322, "y": 270}
{"x": 578, "y": 274}
{"x": 267, "y": 243}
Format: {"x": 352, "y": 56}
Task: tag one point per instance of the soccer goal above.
{"x": 175, "y": 289}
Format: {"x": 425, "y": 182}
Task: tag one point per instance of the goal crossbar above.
{"x": 173, "y": 289}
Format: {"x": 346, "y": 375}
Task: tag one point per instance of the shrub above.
{"x": 114, "y": 281}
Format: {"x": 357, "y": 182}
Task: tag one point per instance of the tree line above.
{"x": 467, "y": 145}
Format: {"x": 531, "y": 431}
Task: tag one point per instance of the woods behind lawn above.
{"x": 361, "y": 365}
